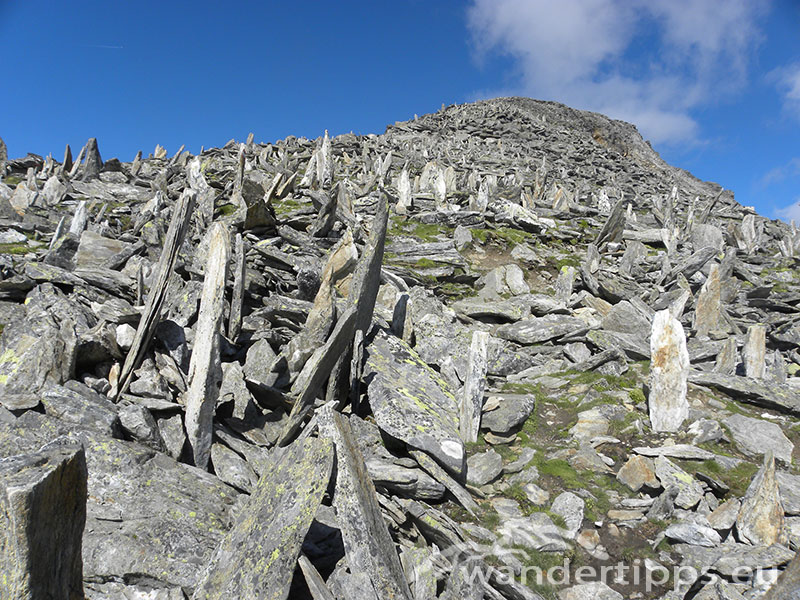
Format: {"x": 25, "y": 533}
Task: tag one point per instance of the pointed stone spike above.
{"x": 726, "y": 358}
{"x": 404, "y": 193}
{"x": 760, "y": 520}
{"x": 94, "y": 164}
{"x": 181, "y": 216}
{"x": 363, "y": 294}
{"x": 77, "y": 164}
{"x": 614, "y": 226}
{"x": 205, "y": 371}
{"x": 66, "y": 164}
{"x": 474, "y": 386}
{"x": 79, "y": 219}
{"x": 239, "y": 273}
{"x": 368, "y": 546}
{"x": 316, "y": 371}
{"x": 669, "y": 369}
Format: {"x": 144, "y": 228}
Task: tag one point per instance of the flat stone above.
{"x": 508, "y": 412}
{"x": 232, "y": 468}
{"x": 789, "y": 486}
{"x": 42, "y": 516}
{"x": 693, "y": 534}
{"x": 590, "y": 591}
{"x": 743, "y": 560}
{"x": 536, "y": 532}
{"x": 638, "y": 472}
{"x": 539, "y": 329}
{"x": 724, "y": 516}
{"x": 570, "y": 507}
{"x": 591, "y": 423}
{"x": 774, "y": 395}
{"x": 80, "y": 405}
{"x": 756, "y": 437}
{"x": 257, "y": 558}
{"x": 535, "y": 494}
{"x": 484, "y": 468}
{"x": 680, "y": 451}
{"x": 526, "y": 455}
{"x": 187, "y": 511}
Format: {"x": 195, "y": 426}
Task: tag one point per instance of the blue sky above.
{"x": 714, "y": 84}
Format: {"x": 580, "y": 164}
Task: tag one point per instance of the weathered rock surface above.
{"x": 669, "y": 371}
{"x": 42, "y": 515}
{"x": 555, "y": 238}
{"x": 257, "y": 557}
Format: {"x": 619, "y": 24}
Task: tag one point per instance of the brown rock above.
{"x": 638, "y": 472}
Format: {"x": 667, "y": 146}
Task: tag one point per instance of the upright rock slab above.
{"x": 182, "y": 213}
{"x": 42, "y": 515}
{"x": 669, "y": 370}
{"x": 754, "y": 351}
{"x": 707, "y": 312}
{"x": 258, "y": 556}
{"x": 410, "y": 401}
{"x": 474, "y": 386}
{"x": 368, "y": 546}
{"x": 205, "y": 372}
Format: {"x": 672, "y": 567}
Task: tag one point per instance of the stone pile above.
{"x": 426, "y": 364}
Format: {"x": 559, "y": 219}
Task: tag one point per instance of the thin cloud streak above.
{"x": 789, "y": 213}
{"x": 790, "y": 169}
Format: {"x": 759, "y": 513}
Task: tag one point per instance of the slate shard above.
{"x": 205, "y": 371}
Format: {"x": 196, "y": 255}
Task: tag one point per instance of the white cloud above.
{"x": 787, "y": 80}
{"x": 646, "y": 61}
{"x": 789, "y": 213}
{"x": 790, "y": 169}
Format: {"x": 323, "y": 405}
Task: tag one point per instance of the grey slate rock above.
{"x": 411, "y": 403}
{"x": 756, "y": 437}
{"x": 484, "y": 468}
{"x": 42, "y": 516}
{"x": 258, "y": 555}
{"x": 539, "y": 329}
{"x": 508, "y": 412}
{"x": 93, "y": 164}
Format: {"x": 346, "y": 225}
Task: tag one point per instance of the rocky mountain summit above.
{"x": 500, "y": 351}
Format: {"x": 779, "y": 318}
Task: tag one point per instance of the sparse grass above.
{"x": 12, "y": 180}
{"x": 456, "y": 291}
{"x": 15, "y": 249}
{"x": 737, "y": 479}
{"x": 226, "y": 210}
{"x": 425, "y": 232}
{"x": 637, "y": 396}
{"x": 425, "y": 263}
{"x": 567, "y": 261}
{"x": 599, "y": 381}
